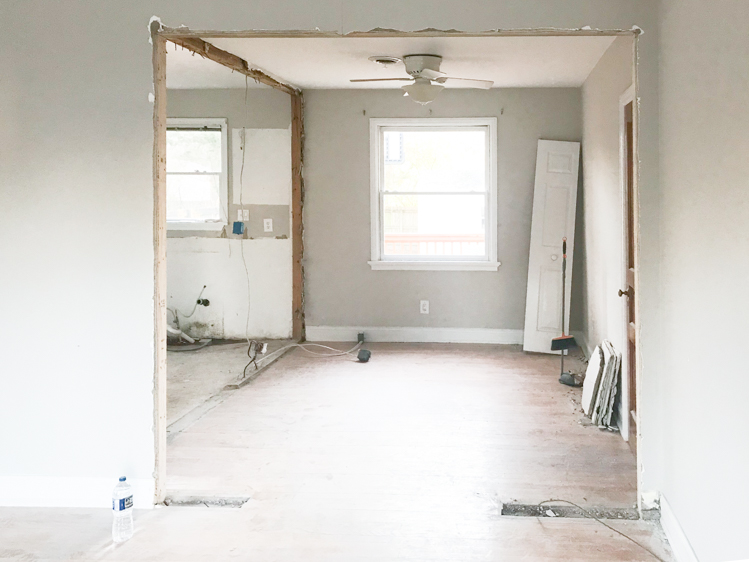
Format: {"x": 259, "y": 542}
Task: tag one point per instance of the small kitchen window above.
{"x": 196, "y": 174}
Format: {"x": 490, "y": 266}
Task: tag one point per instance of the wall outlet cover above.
{"x": 268, "y": 225}
{"x": 239, "y": 215}
{"x": 424, "y": 307}
{"x": 245, "y": 215}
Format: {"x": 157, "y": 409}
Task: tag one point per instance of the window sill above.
{"x": 216, "y": 226}
{"x": 395, "y": 265}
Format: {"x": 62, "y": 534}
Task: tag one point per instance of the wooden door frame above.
{"x": 195, "y": 40}
{"x": 625, "y": 99}
{"x": 632, "y": 95}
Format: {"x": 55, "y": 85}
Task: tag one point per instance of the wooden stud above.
{"x": 297, "y": 226}
{"x": 159, "y": 264}
{"x": 229, "y": 60}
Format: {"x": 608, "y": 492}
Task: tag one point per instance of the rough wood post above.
{"x": 297, "y": 226}
{"x": 159, "y": 263}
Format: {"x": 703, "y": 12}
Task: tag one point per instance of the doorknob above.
{"x": 628, "y": 292}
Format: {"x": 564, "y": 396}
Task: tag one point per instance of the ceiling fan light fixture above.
{"x": 422, "y": 91}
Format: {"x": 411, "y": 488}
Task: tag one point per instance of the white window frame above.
{"x": 377, "y": 161}
{"x": 213, "y": 122}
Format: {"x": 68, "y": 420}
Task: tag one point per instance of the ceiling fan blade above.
{"x": 481, "y": 84}
{"x": 381, "y": 79}
{"x": 431, "y": 74}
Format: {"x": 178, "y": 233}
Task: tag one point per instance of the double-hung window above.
{"x": 196, "y": 174}
{"x": 434, "y": 194}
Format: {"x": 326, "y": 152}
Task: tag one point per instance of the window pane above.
{"x": 192, "y": 198}
{"x": 434, "y": 225}
{"x": 435, "y": 160}
{"x": 193, "y": 151}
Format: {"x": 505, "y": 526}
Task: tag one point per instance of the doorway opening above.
{"x": 334, "y": 112}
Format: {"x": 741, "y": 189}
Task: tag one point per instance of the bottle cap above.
{"x": 122, "y": 478}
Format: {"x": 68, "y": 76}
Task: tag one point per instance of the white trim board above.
{"x": 60, "y": 491}
{"x": 678, "y": 541}
{"x": 415, "y": 334}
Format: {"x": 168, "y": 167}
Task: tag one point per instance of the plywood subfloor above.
{"x": 450, "y": 430}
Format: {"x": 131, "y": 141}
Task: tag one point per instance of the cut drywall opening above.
{"x": 331, "y": 77}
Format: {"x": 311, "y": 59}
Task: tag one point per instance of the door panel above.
{"x": 550, "y": 300}
{"x": 554, "y": 200}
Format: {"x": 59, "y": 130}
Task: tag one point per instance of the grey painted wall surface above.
{"x": 341, "y": 289}
{"x": 705, "y": 180}
{"x": 97, "y": 183}
{"x": 601, "y": 269}
{"x": 260, "y": 108}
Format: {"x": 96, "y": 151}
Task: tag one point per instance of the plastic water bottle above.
{"x": 122, "y": 506}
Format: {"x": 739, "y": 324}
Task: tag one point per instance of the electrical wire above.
{"x": 589, "y": 514}
{"x": 303, "y": 346}
{"x": 176, "y": 313}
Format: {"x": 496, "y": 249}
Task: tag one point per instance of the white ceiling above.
{"x": 322, "y": 63}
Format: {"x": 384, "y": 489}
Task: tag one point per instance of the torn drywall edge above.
{"x": 384, "y": 32}
{"x": 150, "y": 27}
{"x": 650, "y": 499}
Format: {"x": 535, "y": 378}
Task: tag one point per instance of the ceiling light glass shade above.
{"x": 422, "y": 91}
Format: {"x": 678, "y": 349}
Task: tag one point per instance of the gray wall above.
{"x": 81, "y": 152}
{"x": 193, "y": 262}
{"x": 705, "y": 181}
{"x": 602, "y": 205}
{"x": 260, "y": 108}
{"x": 341, "y": 289}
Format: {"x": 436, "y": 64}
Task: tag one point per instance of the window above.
{"x": 434, "y": 194}
{"x": 196, "y": 174}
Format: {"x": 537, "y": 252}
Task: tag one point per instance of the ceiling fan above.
{"x": 424, "y": 71}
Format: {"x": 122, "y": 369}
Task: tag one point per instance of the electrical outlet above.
{"x": 424, "y": 307}
{"x": 268, "y": 225}
{"x": 246, "y": 215}
{"x": 239, "y": 215}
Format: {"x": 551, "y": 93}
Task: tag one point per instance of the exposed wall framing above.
{"x": 159, "y": 262}
{"x": 205, "y": 49}
{"x": 194, "y": 41}
{"x": 297, "y": 203}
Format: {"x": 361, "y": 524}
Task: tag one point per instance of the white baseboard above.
{"x": 46, "y": 491}
{"x": 415, "y": 334}
{"x": 678, "y": 541}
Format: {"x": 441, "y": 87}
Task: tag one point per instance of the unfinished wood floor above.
{"x": 450, "y": 430}
{"x": 195, "y": 534}
{"x": 405, "y": 458}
